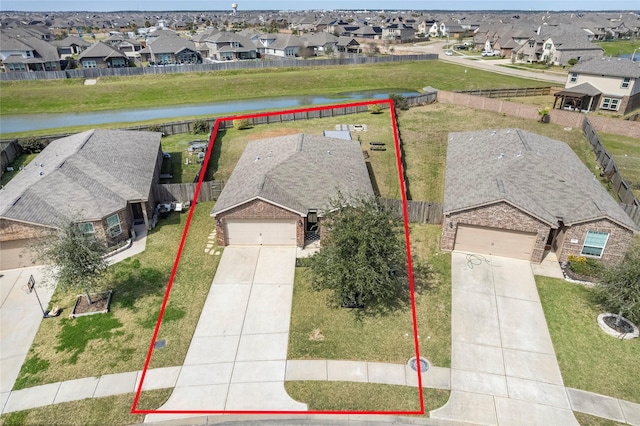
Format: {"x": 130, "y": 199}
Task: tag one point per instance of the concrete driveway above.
{"x": 503, "y": 366}
{"x": 20, "y": 317}
{"x": 237, "y": 357}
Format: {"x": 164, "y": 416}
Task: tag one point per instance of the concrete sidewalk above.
{"x": 503, "y": 365}
{"x": 237, "y": 357}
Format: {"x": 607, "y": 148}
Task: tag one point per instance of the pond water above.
{"x": 23, "y": 123}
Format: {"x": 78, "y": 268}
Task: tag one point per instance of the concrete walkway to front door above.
{"x": 238, "y": 355}
{"x": 503, "y": 366}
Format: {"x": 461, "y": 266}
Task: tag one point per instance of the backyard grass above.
{"x": 177, "y": 146}
{"x": 378, "y": 338}
{"x": 424, "y": 133}
{"x": 589, "y": 358}
{"x": 20, "y": 161}
{"x": 619, "y": 47}
{"x": 345, "y": 396}
{"x": 118, "y": 341}
{"x": 626, "y": 153}
{"x": 113, "y": 410}
{"x": 123, "y": 93}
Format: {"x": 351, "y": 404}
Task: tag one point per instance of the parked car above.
{"x": 448, "y": 52}
{"x": 485, "y": 53}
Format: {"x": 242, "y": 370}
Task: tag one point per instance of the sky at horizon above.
{"x": 374, "y": 5}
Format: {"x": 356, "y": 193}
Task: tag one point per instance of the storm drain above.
{"x": 159, "y": 344}
{"x": 423, "y": 362}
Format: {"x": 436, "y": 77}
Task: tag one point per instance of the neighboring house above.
{"x": 530, "y": 51}
{"x": 559, "y": 49}
{"x": 70, "y": 46}
{"x": 321, "y": 43}
{"x": 610, "y": 84}
{"x": 366, "y": 31}
{"x": 170, "y": 50}
{"x": 101, "y": 55}
{"x": 398, "y": 32}
{"x": 281, "y": 45}
{"x": 517, "y": 194}
{"x": 22, "y": 51}
{"x": 281, "y": 187}
{"x": 102, "y": 178}
{"x": 226, "y": 46}
{"x": 348, "y": 45}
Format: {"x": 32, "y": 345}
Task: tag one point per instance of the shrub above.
{"x": 399, "y": 101}
{"x": 200, "y": 126}
{"x": 155, "y": 128}
{"x": 585, "y": 266}
{"x": 572, "y": 61}
{"x": 241, "y": 124}
{"x": 619, "y": 289}
{"x": 375, "y": 108}
{"x": 32, "y": 144}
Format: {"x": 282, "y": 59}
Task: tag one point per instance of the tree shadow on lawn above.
{"x": 131, "y": 282}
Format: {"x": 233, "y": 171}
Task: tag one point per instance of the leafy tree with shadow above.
{"x": 619, "y": 286}
{"x": 363, "y": 258}
{"x": 76, "y": 259}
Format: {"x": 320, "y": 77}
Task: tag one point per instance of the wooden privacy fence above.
{"x": 182, "y": 192}
{"x": 610, "y": 170}
{"x": 509, "y": 93}
{"x": 633, "y": 212}
{"x": 417, "y": 211}
{"x": 218, "y": 66}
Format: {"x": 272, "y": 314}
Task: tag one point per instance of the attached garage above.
{"x": 495, "y": 241}
{"x": 15, "y": 254}
{"x": 261, "y": 232}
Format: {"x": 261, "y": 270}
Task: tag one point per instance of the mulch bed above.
{"x": 568, "y": 272}
{"x": 99, "y": 303}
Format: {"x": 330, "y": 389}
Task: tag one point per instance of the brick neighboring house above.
{"x": 609, "y": 84}
{"x": 101, "y": 178}
{"x": 281, "y": 186}
{"x": 101, "y": 55}
{"x": 170, "y": 49}
{"x": 517, "y": 194}
{"x": 22, "y": 50}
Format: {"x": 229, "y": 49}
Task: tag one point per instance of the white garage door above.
{"x": 15, "y": 254}
{"x": 261, "y": 232}
{"x": 498, "y": 242}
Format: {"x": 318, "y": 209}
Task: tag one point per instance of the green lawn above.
{"x": 111, "y": 93}
{"x": 177, "y": 146}
{"x": 319, "y": 331}
{"x": 118, "y": 341}
{"x": 20, "y": 161}
{"x": 626, "y": 153}
{"x": 589, "y": 359}
{"x": 344, "y": 396}
{"x": 113, "y": 410}
{"x": 619, "y": 47}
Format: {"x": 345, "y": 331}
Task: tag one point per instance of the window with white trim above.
{"x": 610, "y": 104}
{"x": 87, "y": 228}
{"x": 89, "y": 63}
{"x": 113, "y": 226}
{"x": 574, "y": 77}
{"x": 625, "y": 83}
{"x": 594, "y": 244}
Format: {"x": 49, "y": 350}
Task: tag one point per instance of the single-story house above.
{"x": 516, "y": 194}
{"x": 281, "y": 187}
{"x": 610, "y": 84}
{"x": 100, "y": 178}
{"x": 101, "y": 55}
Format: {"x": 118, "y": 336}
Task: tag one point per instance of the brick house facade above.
{"x": 574, "y": 238}
{"x": 499, "y": 215}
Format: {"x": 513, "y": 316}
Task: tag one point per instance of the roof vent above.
{"x": 501, "y": 155}
{"x": 257, "y": 159}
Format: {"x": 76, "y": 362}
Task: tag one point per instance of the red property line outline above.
{"x": 212, "y": 138}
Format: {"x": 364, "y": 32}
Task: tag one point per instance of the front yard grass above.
{"x": 378, "y": 338}
{"x": 589, "y": 358}
{"x": 113, "y": 410}
{"x": 118, "y": 341}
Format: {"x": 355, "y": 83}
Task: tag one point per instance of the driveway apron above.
{"x": 237, "y": 357}
{"x": 503, "y": 366}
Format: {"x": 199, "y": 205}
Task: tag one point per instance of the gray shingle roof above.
{"x": 582, "y": 89}
{"x": 297, "y": 172}
{"x": 101, "y": 50}
{"x": 93, "y": 173}
{"x": 615, "y": 67}
{"x": 539, "y": 175}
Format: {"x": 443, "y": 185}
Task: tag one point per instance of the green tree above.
{"x": 619, "y": 287}
{"x": 75, "y": 259}
{"x": 363, "y": 258}
{"x": 399, "y": 101}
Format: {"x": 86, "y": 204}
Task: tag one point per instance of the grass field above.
{"x": 619, "y": 47}
{"x": 53, "y": 96}
{"x": 589, "y": 359}
{"x": 626, "y": 153}
{"x": 118, "y": 341}
{"x": 113, "y": 410}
